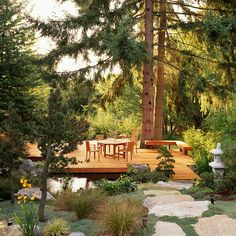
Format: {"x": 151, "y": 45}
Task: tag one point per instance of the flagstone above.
{"x": 181, "y": 209}
{"x": 220, "y": 225}
{"x": 150, "y": 202}
{"x": 167, "y": 229}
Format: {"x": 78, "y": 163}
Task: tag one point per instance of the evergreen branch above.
{"x": 182, "y": 3}
{"x": 187, "y": 53}
{"x": 178, "y": 13}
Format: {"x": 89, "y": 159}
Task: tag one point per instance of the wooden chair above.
{"x": 126, "y": 149}
{"x": 92, "y": 148}
{"x": 101, "y": 137}
{"x": 134, "y": 137}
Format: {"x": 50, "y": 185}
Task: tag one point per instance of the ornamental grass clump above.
{"x": 87, "y": 203}
{"x": 65, "y": 200}
{"x": 121, "y": 217}
{"x": 26, "y": 217}
{"x": 56, "y": 227}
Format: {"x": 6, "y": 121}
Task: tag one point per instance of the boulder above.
{"x": 220, "y": 225}
{"x": 78, "y": 183}
{"x": 54, "y": 186}
{"x": 138, "y": 168}
{"x": 12, "y": 230}
{"x": 181, "y": 209}
{"x": 167, "y": 229}
{"x": 27, "y": 167}
{"x": 77, "y": 234}
{"x": 34, "y": 191}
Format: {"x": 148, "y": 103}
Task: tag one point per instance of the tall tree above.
{"x": 17, "y": 79}
{"x": 160, "y": 78}
{"x": 147, "y": 92}
{"x": 17, "y": 73}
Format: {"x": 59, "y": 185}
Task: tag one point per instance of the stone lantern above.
{"x": 217, "y": 165}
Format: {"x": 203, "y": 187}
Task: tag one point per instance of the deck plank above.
{"x": 110, "y": 165}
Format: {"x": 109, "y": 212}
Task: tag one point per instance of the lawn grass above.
{"x": 222, "y": 208}
{"x": 149, "y": 230}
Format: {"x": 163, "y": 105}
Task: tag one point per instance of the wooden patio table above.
{"x": 113, "y": 142}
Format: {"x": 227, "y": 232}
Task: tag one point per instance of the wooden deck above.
{"x": 107, "y": 165}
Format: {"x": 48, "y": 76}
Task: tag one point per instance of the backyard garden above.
{"x": 166, "y": 69}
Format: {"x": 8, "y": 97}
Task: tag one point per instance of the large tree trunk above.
{"x": 147, "y": 93}
{"x": 11, "y": 187}
{"x": 159, "y": 104}
{"x": 44, "y": 176}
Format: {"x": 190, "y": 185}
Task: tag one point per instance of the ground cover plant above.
{"x": 121, "y": 185}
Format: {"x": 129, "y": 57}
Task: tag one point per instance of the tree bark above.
{"x": 147, "y": 93}
{"x": 11, "y": 187}
{"x": 44, "y": 176}
{"x": 159, "y": 100}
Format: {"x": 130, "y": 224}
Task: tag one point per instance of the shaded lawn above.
{"x": 222, "y": 208}
{"x": 87, "y": 226}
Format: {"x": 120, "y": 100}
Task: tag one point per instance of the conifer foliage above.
{"x": 58, "y": 133}
{"x": 17, "y": 78}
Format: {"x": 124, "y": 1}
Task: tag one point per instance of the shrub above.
{"x": 207, "y": 180}
{"x": 227, "y": 184}
{"x": 87, "y": 202}
{"x": 5, "y": 190}
{"x": 121, "y": 185}
{"x": 65, "y": 200}
{"x": 56, "y": 227}
{"x": 201, "y": 143}
{"x": 143, "y": 174}
{"x": 198, "y": 192}
{"x": 121, "y": 216}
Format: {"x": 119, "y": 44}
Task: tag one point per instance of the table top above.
{"x": 113, "y": 141}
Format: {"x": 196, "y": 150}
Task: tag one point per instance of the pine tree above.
{"x": 58, "y": 133}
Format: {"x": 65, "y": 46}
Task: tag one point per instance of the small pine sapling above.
{"x": 166, "y": 162}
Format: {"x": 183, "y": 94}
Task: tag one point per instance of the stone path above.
{"x": 172, "y": 203}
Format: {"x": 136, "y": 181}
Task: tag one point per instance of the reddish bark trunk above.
{"x": 159, "y": 101}
{"x": 147, "y": 93}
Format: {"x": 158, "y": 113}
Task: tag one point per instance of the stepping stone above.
{"x": 161, "y": 192}
{"x": 175, "y": 185}
{"x": 167, "y": 229}
{"x": 150, "y": 202}
{"x": 181, "y": 209}
{"x": 220, "y": 225}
